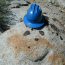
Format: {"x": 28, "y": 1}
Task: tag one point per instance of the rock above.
{"x": 34, "y": 49}
{"x": 61, "y": 38}
{"x": 54, "y": 19}
{"x": 54, "y": 27}
{"x": 21, "y": 20}
{"x": 36, "y": 39}
{"x": 26, "y": 33}
{"x": 29, "y": 1}
{"x": 41, "y": 32}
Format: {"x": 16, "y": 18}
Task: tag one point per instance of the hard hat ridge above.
{"x": 33, "y": 18}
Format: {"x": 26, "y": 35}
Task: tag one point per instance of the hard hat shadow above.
{"x": 45, "y": 19}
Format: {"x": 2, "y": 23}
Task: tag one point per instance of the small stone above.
{"x": 29, "y": 47}
{"x": 41, "y": 32}
{"x": 62, "y": 11}
{"x": 61, "y": 38}
{"x": 26, "y": 33}
{"x": 57, "y": 5}
{"x": 54, "y": 19}
{"x": 56, "y": 34}
{"x": 24, "y": 5}
{"x": 36, "y": 39}
{"x": 27, "y": 2}
{"x": 54, "y": 27}
{"x": 21, "y": 20}
{"x": 17, "y": 6}
{"x": 52, "y": 32}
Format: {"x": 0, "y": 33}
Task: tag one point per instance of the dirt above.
{"x": 57, "y": 59}
{"x": 20, "y": 43}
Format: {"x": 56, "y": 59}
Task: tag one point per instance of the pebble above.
{"x": 54, "y": 19}
{"x": 36, "y": 39}
{"x": 41, "y": 32}
{"x": 61, "y": 38}
{"x": 21, "y": 20}
{"x": 26, "y": 33}
{"x": 57, "y": 34}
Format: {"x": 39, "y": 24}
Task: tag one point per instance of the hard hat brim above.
{"x": 32, "y": 25}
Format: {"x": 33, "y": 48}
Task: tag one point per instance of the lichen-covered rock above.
{"x": 35, "y": 48}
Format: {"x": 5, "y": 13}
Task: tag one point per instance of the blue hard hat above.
{"x": 34, "y": 18}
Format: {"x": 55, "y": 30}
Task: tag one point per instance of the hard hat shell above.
{"x": 34, "y": 18}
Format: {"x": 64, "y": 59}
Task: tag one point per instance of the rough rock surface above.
{"x": 55, "y": 2}
{"x": 34, "y": 48}
{"x": 58, "y": 2}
